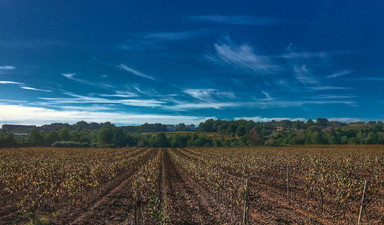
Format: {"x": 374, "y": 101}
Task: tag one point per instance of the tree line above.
{"x": 211, "y": 133}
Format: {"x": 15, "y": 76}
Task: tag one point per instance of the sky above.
{"x": 132, "y": 62}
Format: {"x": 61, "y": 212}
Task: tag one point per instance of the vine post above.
{"x": 288, "y": 183}
{"x": 246, "y": 197}
{"x": 34, "y": 206}
{"x": 362, "y": 204}
{"x": 138, "y": 209}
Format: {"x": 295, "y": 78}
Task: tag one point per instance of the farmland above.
{"x": 263, "y": 185}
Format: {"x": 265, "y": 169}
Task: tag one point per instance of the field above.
{"x": 291, "y": 185}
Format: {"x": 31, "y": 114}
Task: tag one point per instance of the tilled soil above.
{"x": 114, "y": 207}
{"x": 183, "y": 201}
{"x": 187, "y": 202}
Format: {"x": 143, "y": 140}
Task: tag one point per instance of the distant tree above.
{"x": 161, "y": 140}
{"x": 309, "y": 123}
{"x": 241, "y": 131}
{"x": 36, "y": 137}
{"x": 52, "y": 137}
{"x": 322, "y": 122}
{"x": 297, "y": 124}
{"x": 64, "y": 134}
{"x": 105, "y": 136}
{"x": 255, "y": 138}
{"x": 7, "y": 140}
{"x": 181, "y": 127}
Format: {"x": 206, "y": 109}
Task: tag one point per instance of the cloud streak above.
{"x": 208, "y": 94}
{"x": 266, "y": 119}
{"x": 7, "y": 68}
{"x": 41, "y": 115}
{"x": 10, "y": 82}
{"x": 241, "y": 56}
{"x": 135, "y": 72}
{"x": 80, "y": 99}
{"x": 34, "y": 89}
{"x": 340, "y": 73}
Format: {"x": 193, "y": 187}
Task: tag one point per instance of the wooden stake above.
{"x": 362, "y": 206}
{"x": 138, "y": 209}
{"x": 244, "y": 222}
{"x": 288, "y": 183}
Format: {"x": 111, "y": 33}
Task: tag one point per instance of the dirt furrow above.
{"x": 181, "y": 199}
{"x": 266, "y": 205}
{"x": 112, "y": 208}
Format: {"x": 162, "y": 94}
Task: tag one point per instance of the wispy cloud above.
{"x": 325, "y": 88}
{"x": 298, "y": 103}
{"x": 35, "y": 89}
{"x": 267, "y": 96}
{"x": 267, "y": 119}
{"x": 121, "y": 94}
{"x": 7, "y": 67}
{"x": 135, "y": 72}
{"x": 304, "y": 75}
{"x": 236, "y": 19}
{"x": 340, "y": 73}
{"x": 155, "y": 40}
{"x": 69, "y": 75}
{"x": 80, "y": 99}
{"x": 72, "y": 76}
{"x": 10, "y": 82}
{"x": 41, "y": 115}
{"x": 208, "y": 94}
{"x": 326, "y": 96}
{"x": 201, "y": 105}
{"x": 241, "y": 56}
{"x": 305, "y": 55}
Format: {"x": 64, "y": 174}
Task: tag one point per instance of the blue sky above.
{"x": 131, "y": 62}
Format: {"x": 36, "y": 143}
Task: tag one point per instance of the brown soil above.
{"x": 113, "y": 207}
{"x": 182, "y": 200}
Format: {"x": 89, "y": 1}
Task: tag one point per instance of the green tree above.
{"x": 36, "y": 137}
{"x": 105, "y": 135}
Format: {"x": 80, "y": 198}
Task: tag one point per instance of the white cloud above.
{"x": 334, "y": 96}
{"x": 346, "y": 119}
{"x": 268, "y": 97}
{"x": 79, "y": 99}
{"x": 211, "y": 105}
{"x": 304, "y": 55}
{"x": 69, "y": 75}
{"x": 120, "y": 94}
{"x": 235, "y": 19}
{"x": 135, "y": 72}
{"x": 340, "y": 73}
{"x": 10, "y": 82}
{"x": 299, "y": 103}
{"x": 34, "y": 89}
{"x": 208, "y": 94}
{"x": 7, "y": 67}
{"x": 325, "y": 88}
{"x": 266, "y": 119}
{"x": 303, "y": 75}
{"x": 39, "y": 116}
{"x": 241, "y": 56}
